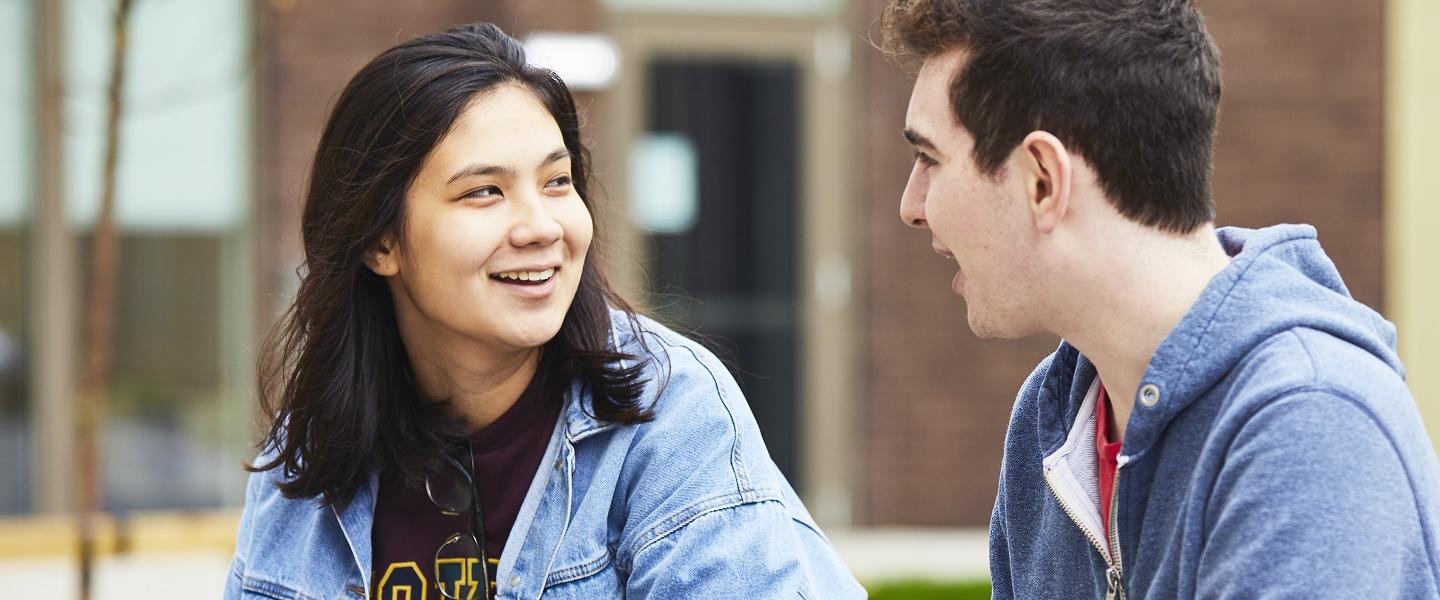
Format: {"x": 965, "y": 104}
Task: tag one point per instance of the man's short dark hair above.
{"x": 1133, "y": 86}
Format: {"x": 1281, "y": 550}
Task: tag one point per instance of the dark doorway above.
{"x": 731, "y": 276}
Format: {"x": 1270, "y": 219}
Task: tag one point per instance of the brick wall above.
{"x": 1300, "y": 140}
{"x": 1301, "y": 125}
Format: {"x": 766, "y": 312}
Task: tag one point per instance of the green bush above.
{"x": 930, "y": 590}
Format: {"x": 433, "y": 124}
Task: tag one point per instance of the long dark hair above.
{"x": 334, "y": 378}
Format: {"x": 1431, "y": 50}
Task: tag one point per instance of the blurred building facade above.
{"x": 183, "y": 307}
{"x": 752, "y": 162}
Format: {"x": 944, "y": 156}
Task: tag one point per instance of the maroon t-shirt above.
{"x": 409, "y": 528}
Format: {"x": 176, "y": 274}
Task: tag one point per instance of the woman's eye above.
{"x": 559, "y": 182}
{"x": 488, "y": 191}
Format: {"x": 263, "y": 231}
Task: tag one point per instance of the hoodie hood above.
{"x": 1278, "y": 279}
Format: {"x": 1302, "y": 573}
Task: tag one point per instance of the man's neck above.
{"x": 1130, "y": 299}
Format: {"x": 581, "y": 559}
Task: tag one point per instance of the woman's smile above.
{"x": 535, "y": 283}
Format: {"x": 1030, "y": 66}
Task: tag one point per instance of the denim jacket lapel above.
{"x": 356, "y": 520}
{"x": 542, "y": 519}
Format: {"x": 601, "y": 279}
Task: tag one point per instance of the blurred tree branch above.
{"x": 100, "y": 314}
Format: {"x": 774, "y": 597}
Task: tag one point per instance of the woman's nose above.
{"x": 534, "y": 225}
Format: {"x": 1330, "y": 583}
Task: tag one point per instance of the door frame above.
{"x": 820, "y": 47}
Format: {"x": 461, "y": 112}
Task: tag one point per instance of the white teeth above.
{"x": 527, "y": 275}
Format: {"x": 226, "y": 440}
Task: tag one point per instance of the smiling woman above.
{"x": 495, "y": 241}
{"x": 453, "y": 337}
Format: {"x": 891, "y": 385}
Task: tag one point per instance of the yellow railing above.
{"x": 134, "y": 533}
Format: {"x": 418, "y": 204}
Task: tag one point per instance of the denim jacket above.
{"x": 688, "y": 505}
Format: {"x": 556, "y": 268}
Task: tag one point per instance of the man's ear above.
{"x": 1047, "y": 174}
{"x": 382, "y": 258}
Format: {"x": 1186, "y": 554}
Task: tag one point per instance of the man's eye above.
{"x": 925, "y": 159}
{"x": 488, "y": 191}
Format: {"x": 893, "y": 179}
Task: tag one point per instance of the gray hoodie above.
{"x": 1274, "y": 451}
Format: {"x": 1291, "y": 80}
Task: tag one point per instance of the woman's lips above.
{"x": 528, "y": 283}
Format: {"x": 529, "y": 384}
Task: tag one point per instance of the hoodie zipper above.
{"x": 1114, "y": 583}
{"x": 1114, "y": 580}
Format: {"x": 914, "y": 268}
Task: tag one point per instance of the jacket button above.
{"x": 515, "y": 581}
{"x": 1149, "y": 394}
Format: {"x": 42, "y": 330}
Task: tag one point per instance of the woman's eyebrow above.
{"x": 555, "y": 156}
{"x": 481, "y": 169}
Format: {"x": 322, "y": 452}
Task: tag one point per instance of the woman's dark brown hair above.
{"x": 334, "y": 378}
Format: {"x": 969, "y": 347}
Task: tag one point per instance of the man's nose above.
{"x": 912, "y": 200}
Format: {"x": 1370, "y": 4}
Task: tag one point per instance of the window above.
{"x": 16, "y": 189}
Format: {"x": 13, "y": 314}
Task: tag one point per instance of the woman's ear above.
{"x": 382, "y": 259}
{"x": 1048, "y": 173}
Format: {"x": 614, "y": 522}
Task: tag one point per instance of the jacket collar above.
{"x": 356, "y": 521}
{"x": 580, "y": 421}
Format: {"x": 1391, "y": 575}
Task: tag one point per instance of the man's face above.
{"x": 980, "y": 222}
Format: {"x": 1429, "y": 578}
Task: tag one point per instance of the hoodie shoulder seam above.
{"x": 1346, "y": 397}
{"x": 1309, "y": 356}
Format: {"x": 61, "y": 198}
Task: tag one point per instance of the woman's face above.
{"x": 495, "y": 233}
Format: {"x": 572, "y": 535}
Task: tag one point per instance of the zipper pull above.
{"x": 1113, "y": 588}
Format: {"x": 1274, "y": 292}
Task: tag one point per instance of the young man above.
{"x": 1222, "y": 419}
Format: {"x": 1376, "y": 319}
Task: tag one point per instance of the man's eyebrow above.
{"x": 482, "y": 170}
{"x": 918, "y": 140}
